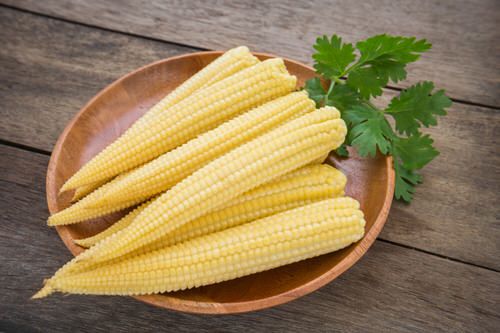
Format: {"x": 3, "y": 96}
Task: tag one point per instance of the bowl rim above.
{"x": 189, "y": 306}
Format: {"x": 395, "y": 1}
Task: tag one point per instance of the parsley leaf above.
{"x": 369, "y": 130}
{"x": 400, "y": 49}
{"x": 332, "y": 56}
{"x": 417, "y": 106}
{"x": 342, "y": 151}
{"x": 367, "y": 81}
{"x": 315, "y": 90}
{"x": 342, "y": 97}
{"x": 410, "y": 153}
{"x": 383, "y": 58}
{"x": 415, "y": 151}
{"x": 405, "y": 182}
{"x": 380, "y": 59}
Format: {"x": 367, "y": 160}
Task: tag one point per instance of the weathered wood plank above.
{"x": 391, "y": 288}
{"x": 465, "y": 33}
{"x": 50, "y": 69}
{"x": 453, "y": 214}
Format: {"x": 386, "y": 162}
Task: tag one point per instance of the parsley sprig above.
{"x": 357, "y": 74}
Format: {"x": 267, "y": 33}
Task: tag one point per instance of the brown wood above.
{"x": 35, "y": 109}
{"x": 112, "y": 111}
{"x": 465, "y": 33}
{"x": 390, "y": 289}
{"x": 51, "y": 68}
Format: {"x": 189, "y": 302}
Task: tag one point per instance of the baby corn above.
{"x": 300, "y": 187}
{"x": 170, "y": 168}
{"x": 178, "y": 123}
{"x": 277, "y": 240}
{"x": 271, "y": 155}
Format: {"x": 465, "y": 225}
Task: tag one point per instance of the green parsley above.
{"x": 357, "y": 74}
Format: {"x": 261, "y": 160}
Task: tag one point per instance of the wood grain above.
{"x": 464, "y": 33}
{"x": 50, "y": 69}
{"x": 391, "y": 288}
{"x": 455, "y": 210}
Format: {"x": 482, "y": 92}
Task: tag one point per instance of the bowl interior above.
{"x": 115, "y": 108}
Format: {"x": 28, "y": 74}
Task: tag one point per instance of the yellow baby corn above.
{"x": 277, "y": 240}
{"x": 305, "y": 185}
{"x": 229, "y": 63}
{"x": 82, "y": 210}
{"x": 170, "y": 168}
{"x": 82, "y": 191}
{"x": 295, "y": 144}
{"x": 195, "y": 114}
{"x": 117, "y": 226}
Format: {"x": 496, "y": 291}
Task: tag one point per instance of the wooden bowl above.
{"x": 114, "y": 109}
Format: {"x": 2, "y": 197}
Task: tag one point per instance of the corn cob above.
{"x": 117, "y": 226}
{"x": 224, "y": 66}
{"x": 178, "y": 123}
{"x": 271, "y": 155}
{"x": 274, "y": 241}
{"x": 170, "y": 168}
{"x": 82, "y": 191}
{"x": 82, "y": 210}
{"x": 305, "y": 185}
{"x": 87, "y": 209}
{"x": 314, "y": 142}
{"x": 231, "y": 62}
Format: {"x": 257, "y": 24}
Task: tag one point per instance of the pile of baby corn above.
{"x": 226, "y": 180}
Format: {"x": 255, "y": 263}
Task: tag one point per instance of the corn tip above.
{"x": 81, "y": 242}
{"x": 75, "y": 197}
{"x": 241, "y": 48}
{"x": 50, "y": 221}
{"x": 44, "y": 292}
{"x": 331, "y": 109}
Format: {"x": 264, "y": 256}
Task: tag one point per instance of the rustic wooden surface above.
{"x": 50, "y": 69}
{"x": 435, "y": 267}
{"x": 465, "y": 33}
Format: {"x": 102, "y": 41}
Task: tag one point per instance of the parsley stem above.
{"x": 353, "y": 67}
{"x": 330, "y": 88}
{"x": 337, "y": 80}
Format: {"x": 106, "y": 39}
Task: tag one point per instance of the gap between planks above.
{"x": 48, "y": 153}
{"x": 197, "y": 48}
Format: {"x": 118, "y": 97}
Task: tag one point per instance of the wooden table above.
{"x": 436, "y": 265}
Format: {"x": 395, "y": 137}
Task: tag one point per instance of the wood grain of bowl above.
{"x": 114, "y": 109}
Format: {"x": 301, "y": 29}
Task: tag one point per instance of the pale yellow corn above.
{"x": 82, "y": 191}
{"x": 227, "y": 64}
{"x": 270, "y": 74}
{"x": 115, "y": 227}
{"x": 82, "y": 210}
{"x": 195, "y": 114}
{"x": 274, "y": 241}
{"x": 324, "y": 182}
{"x": 295, "y": 144}
{"x": 222, "y": 67}
{"x": 300, "y": 187}
{"x": 170, "y": 168}
{"x": 312, "y": 182}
